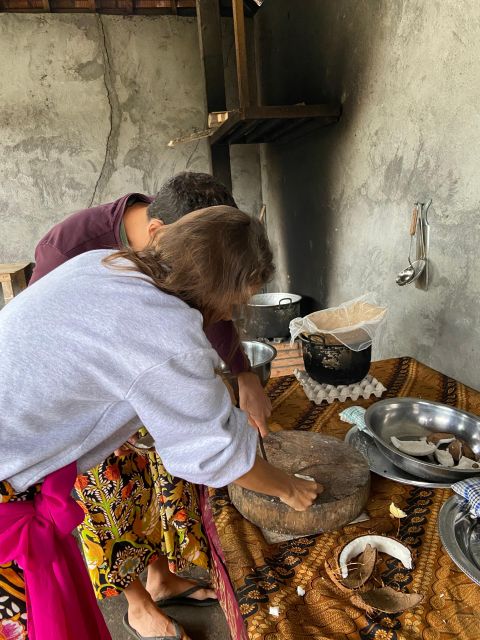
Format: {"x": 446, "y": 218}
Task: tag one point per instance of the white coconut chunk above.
{"x": 299, "y": 475}
{"x": 466, "y": 463}
{"x": 414, "y": 447}
{"x": 300, "y": 591}
{"x": 384, "y": 544}
{"x": 274, "y": 611}
{"x": 444, "y": 458}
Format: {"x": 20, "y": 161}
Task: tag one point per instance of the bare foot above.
{"x": 173, "y": 585}
{"x": 149, "y": 622}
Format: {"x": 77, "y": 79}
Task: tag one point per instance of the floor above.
{"x": 201, "y": 623}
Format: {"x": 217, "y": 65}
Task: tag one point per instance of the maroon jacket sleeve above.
{"x": 47, "y": 257}
{"x": 225, "y": 341}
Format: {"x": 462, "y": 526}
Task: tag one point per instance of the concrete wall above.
{"x": 339, "y": 202}
{"x": 88, "y": 105}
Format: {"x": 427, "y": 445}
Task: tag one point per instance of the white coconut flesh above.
{"x": 384, "y": 544}
{"x": 466, "y": 463}
{"x": 444, "y": 458}
{"x": 414, "y": 447}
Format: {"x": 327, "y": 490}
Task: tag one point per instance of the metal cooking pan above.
{"x": 414, "y": 418}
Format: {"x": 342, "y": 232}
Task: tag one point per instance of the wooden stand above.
{"x": 341, "y": 470}
{"x": 13, "y": 279}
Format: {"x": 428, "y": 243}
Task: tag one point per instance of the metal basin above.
{"x": 413, "y": 417}
{"x": 260, "y": 356}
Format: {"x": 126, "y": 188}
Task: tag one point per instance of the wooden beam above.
{"x": 174, "y": 7}
{"x": 46, "y": 5}
{"x": 241, "y": 52}
{"x": 210, "y": 41}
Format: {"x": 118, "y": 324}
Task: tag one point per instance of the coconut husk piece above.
{"x": 385, "y": 599}
{"x": 361, "y": 572}
{"x": 466, "y": 450}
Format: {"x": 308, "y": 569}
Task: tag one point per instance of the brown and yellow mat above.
{"x": 266, "y": 575}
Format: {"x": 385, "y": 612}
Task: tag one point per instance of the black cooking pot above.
{"x": 330, "y": 362}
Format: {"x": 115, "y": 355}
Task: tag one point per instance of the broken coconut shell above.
{"x": 440, "y": 437}
{"x": 414, "y": 447}
{"x": 466, "y": 450}
{"x": 383, "y": 544}
{"x": 385, "y": 599}
{"x": 362, "y": 571}
{"x": 455, "y": 450}
{"x": 467, "y": 463}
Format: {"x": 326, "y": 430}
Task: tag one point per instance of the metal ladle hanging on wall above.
{"x": 419, "y": 267}
{"x": 407, "y": 275}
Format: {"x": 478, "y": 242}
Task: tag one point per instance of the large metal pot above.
{"x": 260, "y": 356}
{"x": 268, "y": 315}
{"x": 330, "y": 362}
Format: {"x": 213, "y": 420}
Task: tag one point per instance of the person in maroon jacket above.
{"x": 137, "y": 515}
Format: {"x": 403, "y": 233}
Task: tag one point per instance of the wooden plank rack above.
{"x": 256, "y": 124}
{"x": 184, "y": 8}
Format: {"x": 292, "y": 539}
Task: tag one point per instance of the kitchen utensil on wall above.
{"x": 407, "y": 275}
{"x": 417, "y": 271}
{"x": 423, "y": 245}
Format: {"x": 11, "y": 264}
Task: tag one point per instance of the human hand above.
{"x": 301, "y": 494}
{"x": 125, "y": 449}
{"x": 254, "y": 401}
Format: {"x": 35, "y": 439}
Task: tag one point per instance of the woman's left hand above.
{"x": 254, "y": 401}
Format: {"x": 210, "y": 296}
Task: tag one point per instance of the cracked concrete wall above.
{"x": 339, "y": 201}
{"x": 88, "y": 105}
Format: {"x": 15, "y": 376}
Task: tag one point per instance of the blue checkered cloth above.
{"x": 354, "y": 415}
{"x": 469, "y": 489}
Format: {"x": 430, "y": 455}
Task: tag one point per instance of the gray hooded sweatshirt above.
{"x": 88, "y": 354}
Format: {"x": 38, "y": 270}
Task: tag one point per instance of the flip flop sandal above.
{"x": 183, "y": 599}
{"x": 178, "y": 631}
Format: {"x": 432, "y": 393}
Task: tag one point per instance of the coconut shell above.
{"x": 467, "y": 451}
{"x": 455, "y": 450}
{"x": 435, "y": 438}
{"x": 385, "y": 599}
{"x": 358, "y": 576}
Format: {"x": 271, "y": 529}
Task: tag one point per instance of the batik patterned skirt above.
{"x": 134, "y": 512}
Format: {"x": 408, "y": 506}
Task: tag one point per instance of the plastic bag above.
{"x": 354, "y": 323}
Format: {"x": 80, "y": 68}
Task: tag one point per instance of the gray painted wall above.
{"x": 339, "y": 202}
{"x": 88, "y": 105}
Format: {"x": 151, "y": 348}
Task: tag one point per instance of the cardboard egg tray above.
{"x": 328, "y": 393}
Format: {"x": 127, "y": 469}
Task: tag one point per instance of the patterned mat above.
{"x": 265, "y": 575}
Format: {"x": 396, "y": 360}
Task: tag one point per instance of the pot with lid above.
{"x": 268, "y": 315}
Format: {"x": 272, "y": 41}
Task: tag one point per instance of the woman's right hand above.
{"x": 301, "y": 494}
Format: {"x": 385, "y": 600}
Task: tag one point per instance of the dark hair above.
{"x": 211, "y": 259}
{"x": 186, "y": 192}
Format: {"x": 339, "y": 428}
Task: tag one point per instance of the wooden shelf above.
{"x": 257, "y": 124}
{"x": 184, "y": 8}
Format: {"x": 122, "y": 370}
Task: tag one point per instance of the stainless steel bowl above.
{"x": 413, "y": 417}
{"x": 260, "y": 355}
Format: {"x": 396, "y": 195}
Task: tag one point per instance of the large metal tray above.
{"x": 382, "y": 466}
{"x": 460, "y": 535}
{"x": 413, "y": 417}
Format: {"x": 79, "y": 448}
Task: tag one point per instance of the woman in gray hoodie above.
{"x": 110, "y": 341}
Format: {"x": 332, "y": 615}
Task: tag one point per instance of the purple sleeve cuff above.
{"x": 224, "y": 338}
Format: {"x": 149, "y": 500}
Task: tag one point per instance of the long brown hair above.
{"x": 211, "y": 259}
